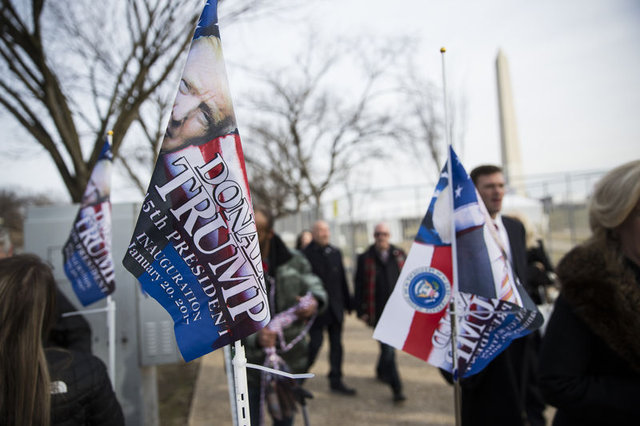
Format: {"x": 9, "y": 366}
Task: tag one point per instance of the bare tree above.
{"x": 424, "y": 124}
{"x": 308, "y": 132}
{"x": 423, "y": 127}
{"x": 137, "y": 158}
{"x": 13, "y": 208}
{"x": 73, "y": 69}
{"x": 68, "y": 77}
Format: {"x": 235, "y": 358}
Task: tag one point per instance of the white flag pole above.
{"x": 111, "y": 326}
{"x": 454, "y": 255}
{"x": 231, "y": 387}
{"x": 240, "y": 376}
{"x": 111, "y": 314}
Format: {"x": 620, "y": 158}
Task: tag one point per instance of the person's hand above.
{"x": 267, "y": 337}
{"x": 308, "y": 311}
{"x": 364, "y": 317}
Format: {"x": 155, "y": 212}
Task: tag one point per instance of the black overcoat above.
{"x": 326, "y": 263}
{"x": 590, "y": 356}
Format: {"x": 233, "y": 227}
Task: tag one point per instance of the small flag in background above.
{"x": 195, "y": 247}
{"x": 88, "y": 261}
{"x": 492, "y": 307}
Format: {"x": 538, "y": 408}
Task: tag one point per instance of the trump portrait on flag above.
{"x": 195, "y": 246}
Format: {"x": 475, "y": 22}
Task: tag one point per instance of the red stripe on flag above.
{"x": 441, "y": 261}
{"x": 418, "y": 342}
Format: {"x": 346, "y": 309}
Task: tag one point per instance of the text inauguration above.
{"x": 221, "y": 250}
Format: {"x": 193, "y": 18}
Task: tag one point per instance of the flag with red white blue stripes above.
{"x": 195, "y": 247}
{"x": 88, "y": 259}
{"x": 491, "y": 307}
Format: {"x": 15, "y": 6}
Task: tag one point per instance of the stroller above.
{"x": 280, "y": 392}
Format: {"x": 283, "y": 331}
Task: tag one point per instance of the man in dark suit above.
{"x": 489, "y": 181}
{"x": 326, "y": 262}
{"x": 506, "y": 391}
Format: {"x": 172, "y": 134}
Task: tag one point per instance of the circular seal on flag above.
{"x": 427, "y": 290}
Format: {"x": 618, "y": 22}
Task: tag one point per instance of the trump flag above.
{"x": 88, "y": 262}
{"x": 491, "y": 307}
{"x": 195, "y": 246}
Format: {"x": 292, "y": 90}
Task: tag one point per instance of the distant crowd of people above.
{"x": 587, "y": 363}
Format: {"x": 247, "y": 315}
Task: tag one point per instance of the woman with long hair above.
{"x": 590, "y": 357}
{"x": 38, "y": 385}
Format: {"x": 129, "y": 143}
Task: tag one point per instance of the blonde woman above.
{"x": 39, "y": 386}
{"x": 590, "y": 357}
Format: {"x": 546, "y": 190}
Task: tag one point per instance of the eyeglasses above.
{"x": 380, "y": 234}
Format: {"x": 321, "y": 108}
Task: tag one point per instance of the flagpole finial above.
{"x": 110, "y": 132}
{"x": 442, "y": 50}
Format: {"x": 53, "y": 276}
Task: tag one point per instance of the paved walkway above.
{"x": 430, "y": 399}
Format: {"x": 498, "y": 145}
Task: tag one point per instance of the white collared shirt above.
{"x": 503, "y": 234}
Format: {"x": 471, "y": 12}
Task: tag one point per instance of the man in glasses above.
{"x": 376, "y": 274}
{"x": 506, "y": 392}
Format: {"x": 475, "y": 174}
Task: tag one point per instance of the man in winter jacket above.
{"x": 376, "y": 275}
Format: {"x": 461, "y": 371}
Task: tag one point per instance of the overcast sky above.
{"x": 575, "y": 69}
{"x": 574, "y": 64}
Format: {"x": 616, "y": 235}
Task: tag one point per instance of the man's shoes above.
{"x": 398, "y": 397}
{"x": 342, "y": 389}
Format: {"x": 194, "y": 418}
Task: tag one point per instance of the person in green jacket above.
{"x": 293, "y": 290}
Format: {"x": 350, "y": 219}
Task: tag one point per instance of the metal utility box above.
{"x": 144, "y": 330}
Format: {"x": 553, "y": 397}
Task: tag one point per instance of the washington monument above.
{"x": 509, "y": 143}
